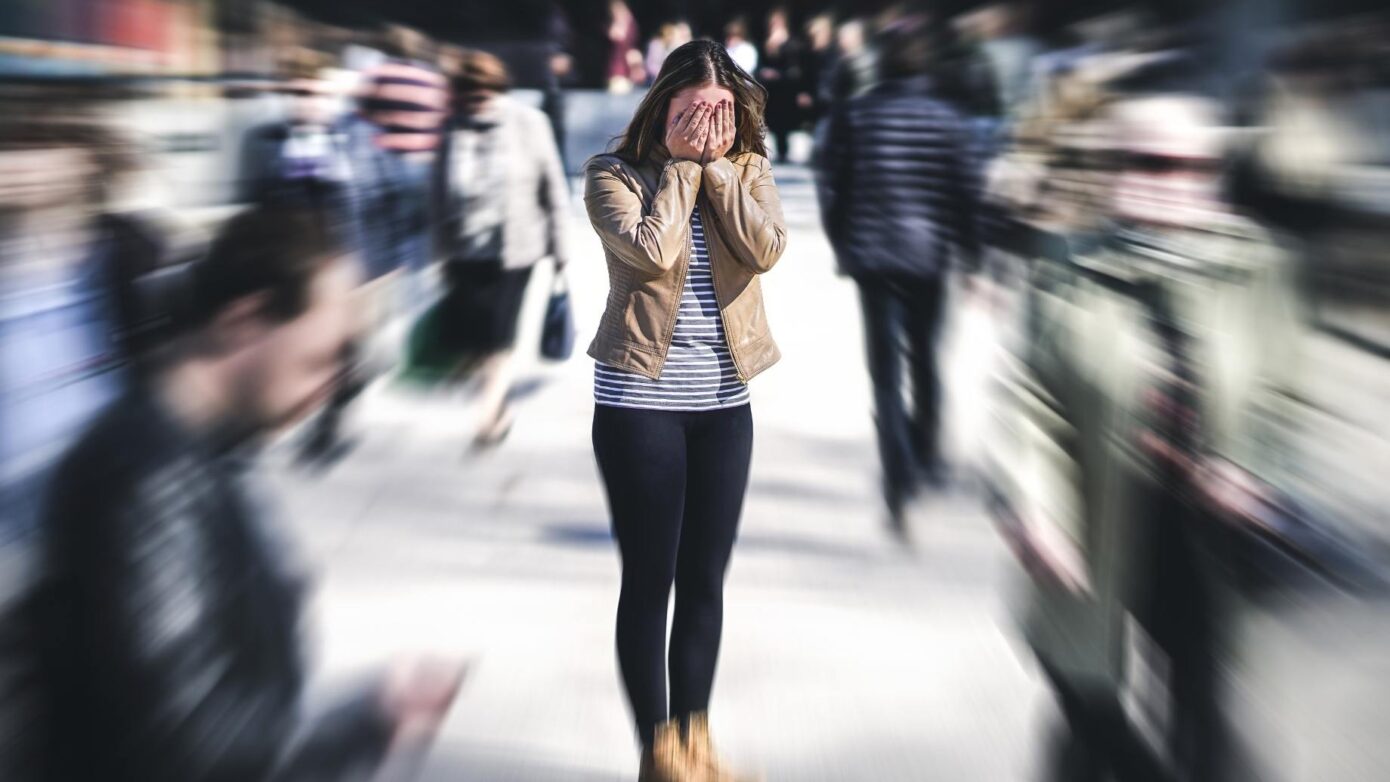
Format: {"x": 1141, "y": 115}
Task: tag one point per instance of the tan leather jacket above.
{"x": 642, "y": 215}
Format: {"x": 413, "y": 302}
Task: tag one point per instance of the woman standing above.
{"x": 689, "y": 218}
{"x": 499, "y": 198}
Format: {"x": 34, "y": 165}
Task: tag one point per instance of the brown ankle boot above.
{"x": 700, "y": 750}
{"x": 666, "y": 759}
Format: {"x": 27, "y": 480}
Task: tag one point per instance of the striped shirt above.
{"x": 408, "y": 100}
{"x": 699, "y": 372}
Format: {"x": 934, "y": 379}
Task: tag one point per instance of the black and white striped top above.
{"x": 699, "y": 372}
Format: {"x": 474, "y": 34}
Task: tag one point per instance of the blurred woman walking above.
{"x": 499, "y": 199}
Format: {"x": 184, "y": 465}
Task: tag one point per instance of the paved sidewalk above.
{"x": 845, "y": 657}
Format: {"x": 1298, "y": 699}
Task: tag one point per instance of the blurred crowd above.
{"x": 1175, "y": 222}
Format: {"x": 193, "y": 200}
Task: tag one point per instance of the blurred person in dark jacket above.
{"x": 500, "y": 200}
{"x": 779, "y": 70}
{"x": 855, "y": 68}
{"x": 813, "y": 96}
{"x": 301, "y": 160}
{"x": 163, "y": 632}
{"x": 897, "y": 198}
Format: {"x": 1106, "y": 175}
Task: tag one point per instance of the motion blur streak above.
{"x": 1074, "y": 467}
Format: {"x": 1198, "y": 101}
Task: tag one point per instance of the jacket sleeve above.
{"x": 653, "y": 242}
{"x": 555, "y": 189}
{"x": 832, "y": 170}
{"x": 198, "y": 706}
{"x": 750, "y": 216}
{"x": 964, "y": 190}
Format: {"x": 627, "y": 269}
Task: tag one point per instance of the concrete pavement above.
{"x": 845, "y": 657}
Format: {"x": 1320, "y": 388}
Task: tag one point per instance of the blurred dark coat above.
{"x": 162, "y": 630}
{"x": 896, "y": 186}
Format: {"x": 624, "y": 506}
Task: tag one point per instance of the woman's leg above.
{"x": 494, "y": 416}
{"x": 719, "y": 449}
{"x": 494, "y": 409}
{"x": 642, "y": 455}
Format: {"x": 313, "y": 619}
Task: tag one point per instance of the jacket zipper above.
{"x": 738, "y": 370}
{"x": 680, "y": 292}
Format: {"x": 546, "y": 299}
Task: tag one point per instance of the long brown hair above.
{"x": 692, "y": 65}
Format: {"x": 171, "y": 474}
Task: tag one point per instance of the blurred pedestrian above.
{"x": 897, "y": 196}
{"x": 73, "y": 326}
{"x": 673, "y": 35}
{"x": 780, "y": 72}
{"x": 813, "y": 93}
{"x": 624, "y": 59}
{"x": 743, "y": 52}
{"x": 689, "y": 218}
{"x": 164, "y": 628}
{"x": 500, "y": 203}
{"x": 390, "y": 143}
{"x": 856, "y": 67}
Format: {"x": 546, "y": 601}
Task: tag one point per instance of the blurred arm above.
{"x": 653, "y": 242}
{"x": 751, "y": 217}
{"x": 555, "y": 191}
{"x": 832, "y": 174}
{"x": 964, "y": 198}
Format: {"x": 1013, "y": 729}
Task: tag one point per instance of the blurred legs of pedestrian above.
{"x": 481, "y": 307}
{"x": 902, "y": 320}
{"x": 1094, "y": 742}
{"x": 783, "y": 138}
{"x": 1179, "y": 611}
{"x": 365, "y": 358}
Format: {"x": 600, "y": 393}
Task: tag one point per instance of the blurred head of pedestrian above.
{"x": 313, "y": 96}
{"x": 850, "y": 37}
{"x": 1171, "y": 152}
{"x": 477, "y": 82}
{"x": 58, "y": 164}
{"x": 736, "y": 31}
{"x": 778, "y": 21}
{"x": 406, "y": 43}
{"x": 270, "y": 315}
{"x": 820, "y": 31}
{"x": 681, "y": 34}
{"x": 698, "y": 71}
{"x": 904, "y": 47}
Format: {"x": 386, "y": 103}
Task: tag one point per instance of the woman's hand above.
{"x": 687, "y": 133}
{"x": 721, "y": 133}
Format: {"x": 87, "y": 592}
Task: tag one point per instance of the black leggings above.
{"x": 675, "y": 483}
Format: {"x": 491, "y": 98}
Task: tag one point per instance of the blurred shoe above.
{"x": 898, "y": 502}
{"x": 666, "y": 759}
{"x": 324, "y": 447}
{"x": 703, "y": 761}
{"x": 935, "y": 475}
{"x": 495, "y": 432}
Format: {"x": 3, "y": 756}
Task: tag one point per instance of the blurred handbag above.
{"x": 557, "y": 334}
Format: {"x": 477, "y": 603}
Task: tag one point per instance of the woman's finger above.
{"x": 682, "y": 123}
{"x": 700, "y": 129}
{"x": 692, "y": 118}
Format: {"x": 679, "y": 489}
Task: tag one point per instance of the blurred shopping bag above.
{"x": 557, "y": 335}
{"x": 429, "y": 358}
